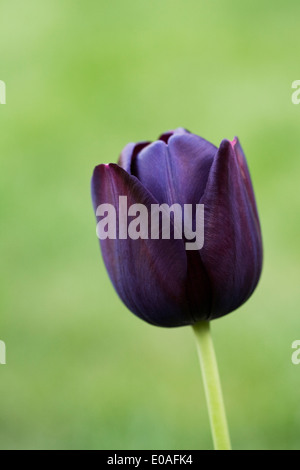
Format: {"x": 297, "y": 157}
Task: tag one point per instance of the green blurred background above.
{"x": 83, "y": 79}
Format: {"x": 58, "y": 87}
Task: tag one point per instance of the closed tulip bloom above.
{"x": 158, "y": 279}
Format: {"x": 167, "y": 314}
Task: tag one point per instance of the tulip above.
{"x": 158, "y": 279}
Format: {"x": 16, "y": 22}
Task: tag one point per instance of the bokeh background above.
{"x": 83, "y": 79}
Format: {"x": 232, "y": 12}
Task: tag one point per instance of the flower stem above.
{"x": 212, "y": 386}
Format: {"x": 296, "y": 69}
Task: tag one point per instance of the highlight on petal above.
{"x": 232, "y": 252}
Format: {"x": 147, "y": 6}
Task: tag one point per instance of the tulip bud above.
{"x": 207, "y": 193}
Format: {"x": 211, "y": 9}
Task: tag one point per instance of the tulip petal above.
{"x": 166, "y": 135}
{"x": 232, "y": 251}
{"x": 176, "y": 172}
{"x": 129, "y": 154}
{"x": 149, "y": 275}
{"x": 192, "y": 157}
{"x": 246, "y": 176}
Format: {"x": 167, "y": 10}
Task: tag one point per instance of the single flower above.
{"x": 158, "y": 279}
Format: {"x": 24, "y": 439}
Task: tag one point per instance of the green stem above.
{"x": 212, "y": 386}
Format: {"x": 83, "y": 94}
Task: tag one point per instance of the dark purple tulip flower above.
{"x": 158, "y": 279}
